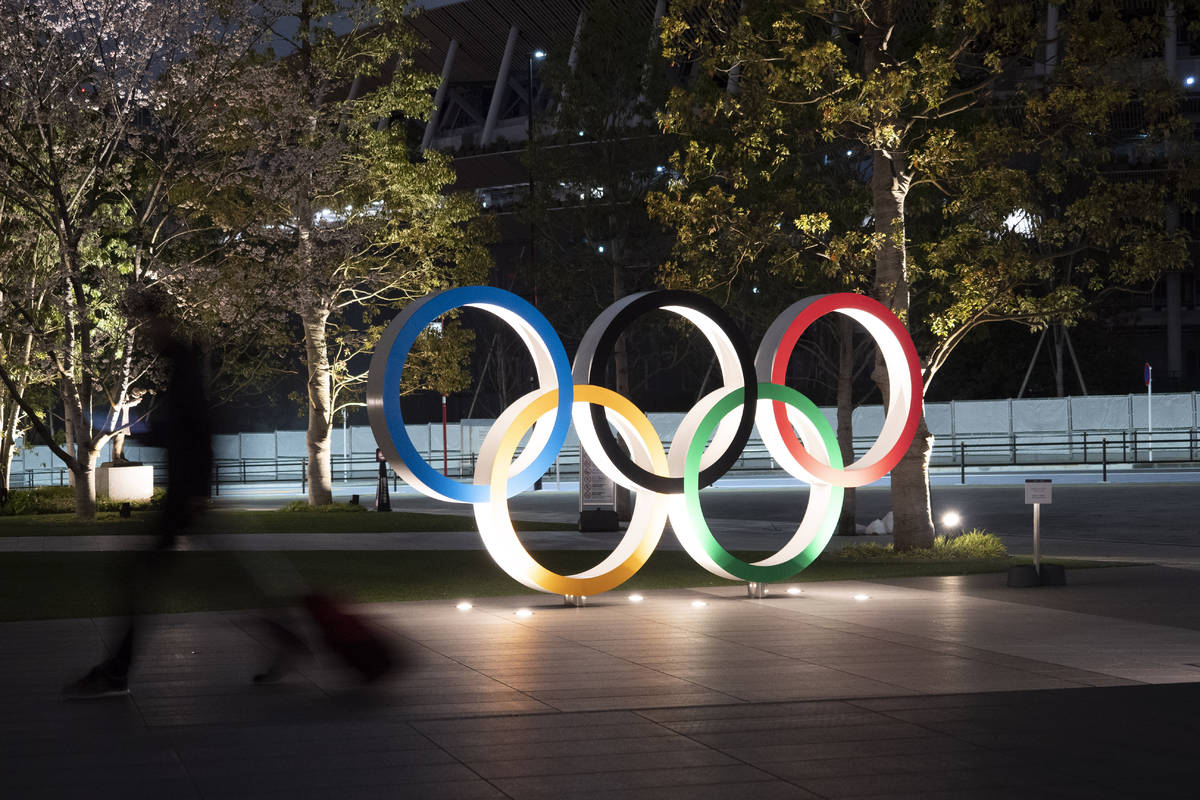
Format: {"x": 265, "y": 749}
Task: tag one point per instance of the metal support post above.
{"x": 440, "y": 96}
{"x": 1037, "y": 518}
{"x": 489, "y": 125}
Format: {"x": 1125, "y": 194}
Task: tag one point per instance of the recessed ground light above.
{"x": 636, "y": 598}
{"x": 698, "y": 604}
{"x": 862, "y": 597}
{"x": 524, "y": 612}
{"x": 794, "y": 590}
{"x": 464, "y": 606}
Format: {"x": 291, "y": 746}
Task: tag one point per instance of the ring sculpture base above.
{"x": 1025, "y": 576}
{"x": 1052, "y": 575}
{"x": 598, "y": 519}
{"x": 756, "y": 590}
{"x": 576, "y": 600}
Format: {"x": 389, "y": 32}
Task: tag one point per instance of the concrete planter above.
{"x": 125, "y": 482}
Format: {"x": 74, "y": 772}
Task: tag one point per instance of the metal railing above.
{"x": 1136, "y": 448}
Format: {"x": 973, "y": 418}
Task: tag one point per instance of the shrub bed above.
{"x": 61, "y": 500}
{"x": 975, "y": 544}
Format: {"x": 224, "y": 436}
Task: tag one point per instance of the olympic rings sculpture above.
{"x": 707, "y": 442}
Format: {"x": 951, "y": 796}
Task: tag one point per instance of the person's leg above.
{"x": 111, "y": 676}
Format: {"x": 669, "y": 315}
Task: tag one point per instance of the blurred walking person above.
{"x": 182, "y": 425}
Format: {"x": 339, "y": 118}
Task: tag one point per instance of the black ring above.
{"x": 655, "y": 301}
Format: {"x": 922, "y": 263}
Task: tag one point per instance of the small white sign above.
{"x": 1038, "y": 490}
{"x": 596, "y": 490}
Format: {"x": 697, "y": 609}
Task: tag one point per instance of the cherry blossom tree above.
{"x": 104, "y": 106}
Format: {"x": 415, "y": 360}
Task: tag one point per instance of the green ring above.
{"x": 691, "y": 490}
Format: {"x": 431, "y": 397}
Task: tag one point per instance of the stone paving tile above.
{"x": 679, "y": 779}
{"x": 534, "y": 736}
{"x": 96, "y": 780}
{"x": 868, "y": 762}
{"x": 761, "y": 790}
{"x": 476, "y": 789}
{"x": 689, "y": 755}
{"x": 766, "y": 755}
{"x": 333, "y": 782}
{"x": 567, "y": 703}
{"x": 711, "y": 702}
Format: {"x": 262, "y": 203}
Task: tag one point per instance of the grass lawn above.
{"x": 110, "y": 523}
{"x": 66, "y": 585}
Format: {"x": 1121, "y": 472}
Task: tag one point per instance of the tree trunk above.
{"x": 118, "y": 450}
{"x": 10, "y": 418}
{"x": 84, "y": 473}
{"x": 845, "y": 417}
{"x": 69, "y": 441}
{"x": 320, "y": 414}
{"x": 8, "y": 438}
{"x": 911, "y": 515}
{"x": 82, "y": 464}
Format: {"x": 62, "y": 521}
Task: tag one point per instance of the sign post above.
{"x": 1148, "y": 375}
{"x": 1038, "y": 491}
{"x": 383, "y": 501}
{"x": 597, "y": 497}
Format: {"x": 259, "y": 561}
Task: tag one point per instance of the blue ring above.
{"x": 426, "y": 310}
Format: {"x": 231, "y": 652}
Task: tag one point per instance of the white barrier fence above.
{"x": 1064, "y": 430}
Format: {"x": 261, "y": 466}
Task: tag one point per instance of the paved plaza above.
{"x": 956, "y": 687}
{"x": 934, "y": 687}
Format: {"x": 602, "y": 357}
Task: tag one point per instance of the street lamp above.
{"x": 536, "y": 55}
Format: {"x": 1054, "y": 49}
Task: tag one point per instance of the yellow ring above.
{"x": 495, "y": 525}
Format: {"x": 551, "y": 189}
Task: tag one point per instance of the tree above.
{"x": 329, "y": 200}
{"x": 955, "y": 121}
{"x": 22, "y": 300}
{"x": 102, "y": 108}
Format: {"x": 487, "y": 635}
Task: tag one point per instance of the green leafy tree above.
{"x": 956, "y": 125}
{"x": 329, "y": 199}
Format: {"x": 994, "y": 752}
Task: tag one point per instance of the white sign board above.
{"x": 1038, "y": 490}
{"x": 596, "y": 490}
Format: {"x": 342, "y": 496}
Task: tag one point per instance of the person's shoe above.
{"x": 97, "y": 683}
{"x": 289, "y": 648}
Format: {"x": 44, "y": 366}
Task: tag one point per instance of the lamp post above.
{"x": 536, "y": 55}
{"x": 346, "y": 441}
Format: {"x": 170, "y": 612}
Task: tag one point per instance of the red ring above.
{"x": 858, "y": 475}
